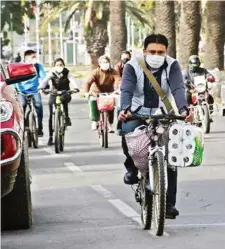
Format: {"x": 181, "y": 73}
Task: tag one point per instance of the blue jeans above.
{"x": 130, "y": 126}
{"x": 37, "y": 104}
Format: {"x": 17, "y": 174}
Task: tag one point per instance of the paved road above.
{"x": 79, "y": 200}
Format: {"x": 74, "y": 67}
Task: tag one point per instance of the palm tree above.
{"x": 190, "y": 25}
{"x": 96, "y": 16}
{"x": 215, "y": 11}
{"x": 165, "y": 23}
{"x": 118, "y": 29}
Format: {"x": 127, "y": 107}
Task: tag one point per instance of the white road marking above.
{"x": 101, "y": 190}
{"x": 124, "y": 208}
{"x": 198, "y": 225}
{"x": 49, "y": 156}
{"x": 72, "y": 167}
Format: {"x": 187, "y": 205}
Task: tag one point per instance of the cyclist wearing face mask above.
{"x": 60, "y": 78}
{"x": 30, "y": 87}
{"x": 125, "y": 57}
{"x": 103, "y": 79}
{"x": 138, "y": 92}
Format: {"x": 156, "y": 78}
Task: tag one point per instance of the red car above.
{"x": 15, "y": 174}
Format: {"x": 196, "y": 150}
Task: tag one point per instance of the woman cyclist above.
{"x": 103, "y": 79}
{"x": 60, "y": 79}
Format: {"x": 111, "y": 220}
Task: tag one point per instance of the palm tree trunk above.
{"x": 165, "y": 23}
{"x": 117, "y": 29}
{"x": 96, "y": 38}
{"x": 190, "y": 25}
{"x": 215, "y": 35}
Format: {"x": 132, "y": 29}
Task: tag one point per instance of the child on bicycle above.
{"x": 104, "y": 79}
{"x": 60, "y": 79}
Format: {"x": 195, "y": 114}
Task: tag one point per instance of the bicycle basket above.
{"x": 138, "y": 143}
{"x": 105, "y": 103}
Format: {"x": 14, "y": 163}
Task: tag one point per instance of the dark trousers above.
{"x": 65, "y": 100}
{"x": 129, "y": 163}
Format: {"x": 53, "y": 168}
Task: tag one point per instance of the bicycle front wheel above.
{"x": 159, "y": 193}
{"x": 33, "y": 130}
{"x": 57, "y": 131}
{"x": 62, "y": 134}
{"x": 105, "y": 129}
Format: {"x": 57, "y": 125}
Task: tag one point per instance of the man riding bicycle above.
{"x": 139, "y": 93}
{"x": 30, "y": 87}
{"x": 104, "y": 79}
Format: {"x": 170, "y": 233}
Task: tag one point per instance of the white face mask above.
{"x": 104, "y": 66}
{"x": 59, "y": 69}
{"x": 32, "y": 61}
{"x": 155, "y": 61}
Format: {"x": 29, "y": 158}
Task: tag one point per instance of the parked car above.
{"x": 16, "y": 207}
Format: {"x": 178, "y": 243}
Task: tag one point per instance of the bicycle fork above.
{"x": 151, "y": 165}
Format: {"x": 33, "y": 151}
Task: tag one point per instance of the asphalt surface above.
{"x": 80, "y": 201}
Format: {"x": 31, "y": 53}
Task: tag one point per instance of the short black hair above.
{"x": 156, "y": 38}
{"x": 127, "y": 52}
{"x": 59, "y": 59}
{"x": 29, "y": 52}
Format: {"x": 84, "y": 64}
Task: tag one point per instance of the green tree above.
{"x": 95, "y": 15}
{"x": 18, "y": 10}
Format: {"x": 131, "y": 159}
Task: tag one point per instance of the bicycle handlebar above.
{"x": 155, "y": 117}
{"x": 59, "y": 93}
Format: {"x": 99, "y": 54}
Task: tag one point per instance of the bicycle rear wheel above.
{"x": 100, "y": 130}
{"x": 33, "y": 130}
{"x": 57, "y": 131}
{"x": 159, "y": 194}
{"x": 62, "y": 133}
{"x": 146, "y": 204}
{"x": 105, "y": 129}
{"x": 27, "y": 128}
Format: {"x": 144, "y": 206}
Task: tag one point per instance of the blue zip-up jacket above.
{"x": 31, "y": 86}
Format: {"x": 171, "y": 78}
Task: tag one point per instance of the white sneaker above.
{"x": 110, "y": 129}
{"x": 94, "y": 125}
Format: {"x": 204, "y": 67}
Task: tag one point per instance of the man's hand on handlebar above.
{"x": 124, "y": 115}
{"x": 189, "y": 117}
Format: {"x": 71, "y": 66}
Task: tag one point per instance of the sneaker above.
{"x": 94, "y": 125}
{"x": 50, "y": 141}
{"x": 40, "y": 133}
{"x": 68, "y": 121}
{"x": 110, "y": 130}
{"x": 171, "y": 212}
{"x": 131, "y": 178}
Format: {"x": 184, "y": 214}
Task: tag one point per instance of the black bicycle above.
{"x": 31, "y": 121}
{"x": 59, "y": 124}
{"x": 151, "y": 189}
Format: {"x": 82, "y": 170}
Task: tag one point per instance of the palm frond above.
{"x": 51, "y": 17}
{"x": 137, "y": 14}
